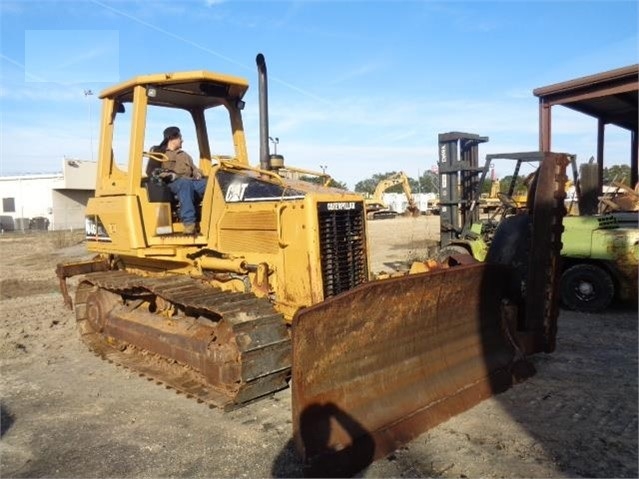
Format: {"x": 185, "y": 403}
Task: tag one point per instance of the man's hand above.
{"x": 168, "y": 175}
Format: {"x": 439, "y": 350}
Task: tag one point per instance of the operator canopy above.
{"x": 189, "y": 90}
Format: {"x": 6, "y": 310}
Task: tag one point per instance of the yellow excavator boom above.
{"x": 376, "y": 203}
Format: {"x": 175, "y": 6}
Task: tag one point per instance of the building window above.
{"x": 8, "y": 205}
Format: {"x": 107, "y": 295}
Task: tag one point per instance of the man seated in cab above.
{"x": 185, "y": 180}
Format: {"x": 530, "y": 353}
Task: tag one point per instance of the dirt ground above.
{"x": 66, "y": 413}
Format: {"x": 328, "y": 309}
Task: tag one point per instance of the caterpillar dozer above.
{"x": 275, "y": 286}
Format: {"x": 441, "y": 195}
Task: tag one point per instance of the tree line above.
{"x": 428, "y": 182}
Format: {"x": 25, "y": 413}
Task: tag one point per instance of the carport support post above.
{"x": 601, "y": 138}
{"x": 634, "y": 153}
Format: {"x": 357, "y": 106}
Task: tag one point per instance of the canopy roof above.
{"x": 609, "y": 96}
{"x": 193, "y": 89}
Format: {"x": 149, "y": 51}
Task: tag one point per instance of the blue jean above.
{"x": 188, "y": 191}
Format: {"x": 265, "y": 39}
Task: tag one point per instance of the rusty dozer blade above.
{"x": 378, "y": 365}
{"x": 372, "y": 368}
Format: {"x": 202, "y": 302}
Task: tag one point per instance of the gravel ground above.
{"x": 65, "y": 413}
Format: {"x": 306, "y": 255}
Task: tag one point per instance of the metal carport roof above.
{"x": 611, "y": 97}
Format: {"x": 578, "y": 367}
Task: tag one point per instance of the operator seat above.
{"x": 153, "y": 164}
{"x": 157, "y": 190}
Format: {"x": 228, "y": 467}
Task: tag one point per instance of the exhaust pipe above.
{"x": 265, "y": 155}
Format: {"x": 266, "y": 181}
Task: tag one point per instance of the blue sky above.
{"x": 361, "y": 87}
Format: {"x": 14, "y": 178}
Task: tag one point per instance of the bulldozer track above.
{"x": 219, "y": 330}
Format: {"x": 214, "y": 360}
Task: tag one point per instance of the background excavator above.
{"x": 377, "y": 209}
{"x": 276, "y": 285}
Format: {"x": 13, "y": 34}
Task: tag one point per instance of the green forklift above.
{"x": 600, "y": 252}
{"x": 463, "y": 228}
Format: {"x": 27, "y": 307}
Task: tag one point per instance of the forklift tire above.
{"x": 511, "y": 246}
{"x": 586, "y": 288}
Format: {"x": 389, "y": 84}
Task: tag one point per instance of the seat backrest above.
{"x": 153, "y": 164}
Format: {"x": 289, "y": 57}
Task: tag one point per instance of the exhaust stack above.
{"x": 265, "y": 156}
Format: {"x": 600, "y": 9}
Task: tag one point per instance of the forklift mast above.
{"x": 459, "y": 181}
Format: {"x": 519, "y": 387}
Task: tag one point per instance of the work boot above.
{"x": 189, "y": 228}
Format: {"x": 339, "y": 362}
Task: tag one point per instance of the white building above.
{"x": 48, "y": 201}
{"x": 398, "y": 201}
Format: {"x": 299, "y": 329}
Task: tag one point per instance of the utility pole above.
{"x": 323, "y": 167}
{"x": 87, "y": 94}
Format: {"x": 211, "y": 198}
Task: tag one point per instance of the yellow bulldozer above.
{"x": 274, "y": 288}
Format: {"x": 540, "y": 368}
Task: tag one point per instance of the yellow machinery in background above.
{"x": 375, "y": 206}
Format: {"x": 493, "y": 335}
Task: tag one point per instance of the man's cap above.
{"x": 171, "y": 132}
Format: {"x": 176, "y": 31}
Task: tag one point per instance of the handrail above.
{"x": 156, "y": 155}
{"x": 239, "y": 166}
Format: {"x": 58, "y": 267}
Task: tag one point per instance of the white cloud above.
{"x": 354, "y": 158}
{"x": 362, "y": 70}
{"x": 358, "y": 138}
{"x": 71, "y": 56}
{"x": 48, "y": 93}
{"x": 8, "y": 7}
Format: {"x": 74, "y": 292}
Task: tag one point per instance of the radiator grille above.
{"x": 607, "y": 221}
{"x": 342, "y": 246}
